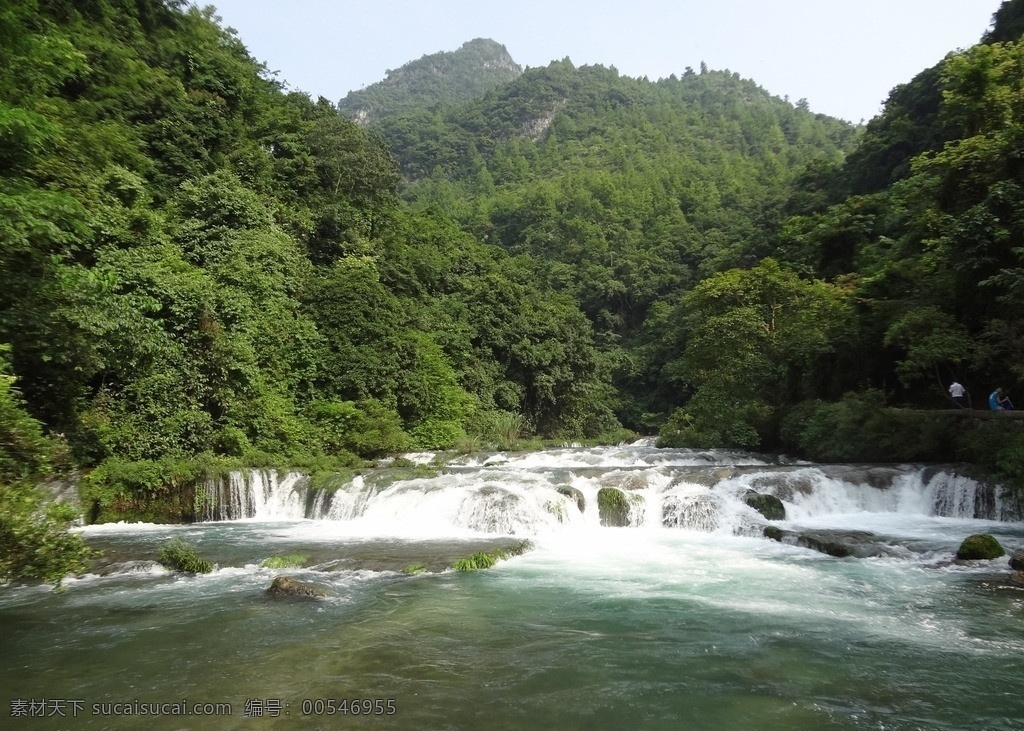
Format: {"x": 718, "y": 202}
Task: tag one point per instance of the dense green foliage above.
{"x": 628, "y": 192}
{"x": 200, "y": 268}
{"x": 34, "y": 542}
{"x": 199, "y": 262}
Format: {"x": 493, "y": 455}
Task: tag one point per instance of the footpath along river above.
{"x": 686, "y": 617}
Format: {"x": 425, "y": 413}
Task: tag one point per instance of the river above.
{"x": 685, "y": 617}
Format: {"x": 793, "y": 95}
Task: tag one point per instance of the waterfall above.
{"x": 256, "y": 494}
{"x": 557, "y": 490}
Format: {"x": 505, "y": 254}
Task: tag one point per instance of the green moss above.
{"x": 980, "y": 546}
{"x": 331, "y": 481}
{"x": 400, "y": 471}
{"x": 415, "y": 568}
{"x": 479, "y": 560}
{"x": 288, "y": 561}
{"x": 487, "y": 559}
{"x": 179, "y": 555}
{"x": 613, "y": 506}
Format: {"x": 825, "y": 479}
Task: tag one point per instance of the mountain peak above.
{"x": 446, "y": 77}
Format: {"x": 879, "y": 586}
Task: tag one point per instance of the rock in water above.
{"x": 980, "y": 546}
{"x": 286, "y": 586}
{"x": 767, "y": 505}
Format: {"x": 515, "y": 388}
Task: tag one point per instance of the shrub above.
{"x": 716, "y": 419}
{"x": 859, "y": 427}
{"x": 436, "y": 434}
{"x": 34, "y": 538}
{"x": 502, "y": 429}
{"x": 367, "y": 428}
{"x": 179, "y": 555}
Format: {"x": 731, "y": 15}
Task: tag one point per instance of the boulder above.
{"x": 767, "y": 505}
{"x": 1017, "y": 577}
{"x": 842, "y": 543}
{"x": 981, "y": 546}
{"x": 613, "y": 507}
{"x": 286, "y": 586}
{"x": 574, "y": 494}
{"x": 1017, "y": 561}
{"x": 825, "y": 542}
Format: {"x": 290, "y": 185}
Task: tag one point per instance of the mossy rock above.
{"x": 612, "y": 507}
{"x": 287, "y": 587}
{"x": 980, "y": 546}
{"x": 824, "y": 544}
{"x": 773, "y": 532}
{"x": 767, "y": 505}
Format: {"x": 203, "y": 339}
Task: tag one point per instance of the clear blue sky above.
{"x": 843, "y": 56}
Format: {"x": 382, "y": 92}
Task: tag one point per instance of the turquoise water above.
{"x": 639, "y": 627}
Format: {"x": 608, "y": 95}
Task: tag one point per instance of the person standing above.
{"x": 957, "y": 392}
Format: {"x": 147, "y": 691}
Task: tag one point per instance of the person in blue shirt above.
{"x": 999, "y": 401}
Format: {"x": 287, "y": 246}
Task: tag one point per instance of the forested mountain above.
{"x": 629, "y": 192}
{"x": 197, "y": 265}
{"x": 448, "y": 77}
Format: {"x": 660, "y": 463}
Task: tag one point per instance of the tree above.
{"x": 34, "y": 538}
{"x": 754, "y": 337}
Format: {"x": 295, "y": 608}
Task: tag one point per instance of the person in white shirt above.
{"x": 957, "y": 393}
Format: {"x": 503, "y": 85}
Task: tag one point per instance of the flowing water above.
{"x": 684, "y": 616}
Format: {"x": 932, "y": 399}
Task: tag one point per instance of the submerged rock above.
{"x": 980, "y": 546}
{"x": 128, "y": 567}
{"x": 286, "y": 586}
{"x": 838, "y": 543}
{"x": 828, "y": 542}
